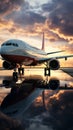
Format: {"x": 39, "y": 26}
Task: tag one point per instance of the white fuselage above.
{"x": 17, "y": 51}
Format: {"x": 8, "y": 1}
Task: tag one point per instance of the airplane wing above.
{"x": 54, "y": 52}
{"x": 42, "y": 60}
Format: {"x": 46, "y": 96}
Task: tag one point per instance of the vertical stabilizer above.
{"x": 43, "y": 46}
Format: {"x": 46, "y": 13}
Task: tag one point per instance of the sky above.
{"x": 27, "y": 19}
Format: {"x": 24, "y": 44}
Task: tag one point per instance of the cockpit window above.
{"x": 3, "y": 44}
{"x": 10, "y": 44}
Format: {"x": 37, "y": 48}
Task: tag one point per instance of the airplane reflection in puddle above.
{"x": 23, "y": 93}
{"x": 63, "y": 79}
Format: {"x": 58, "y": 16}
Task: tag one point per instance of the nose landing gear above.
{"x": 21, "y": 71}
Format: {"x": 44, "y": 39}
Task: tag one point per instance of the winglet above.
{"x": 43, "y": 43}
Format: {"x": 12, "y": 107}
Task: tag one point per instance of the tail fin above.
{"x": 43, "y": 43}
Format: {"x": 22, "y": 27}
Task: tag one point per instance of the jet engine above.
{"x": 54, "y": 64}
{"x": 8, "y": 65}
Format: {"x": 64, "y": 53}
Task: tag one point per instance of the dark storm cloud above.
{"x": 8, "y": 5}
{"x": 48, "y": 7}
{"x": 60, "y": 108}
{"x": 25, "y": 15}
{"x": 60, "y": 16}
{"x": 55, "y": 17}
{"x": 28, "y": 18}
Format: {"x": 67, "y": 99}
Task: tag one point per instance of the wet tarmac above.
{"x": 36, "y": 111}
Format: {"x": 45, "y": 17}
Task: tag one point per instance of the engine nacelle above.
{"x": 8, "y": 66}
{"x": 54, "y": 64}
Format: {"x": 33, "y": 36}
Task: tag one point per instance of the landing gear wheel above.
{"x": 21, "y": 71}
{"x": 15, "y": 76}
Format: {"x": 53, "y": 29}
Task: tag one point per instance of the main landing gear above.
{"x": 47, "y": 71}
{"x": 16, "y": 74}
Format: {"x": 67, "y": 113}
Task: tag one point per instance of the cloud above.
{"x": 60, "y": 18}
{"x": 60, "y": 108}
{"x": 59, "y": 14}
{"x": 29, "y": 18}
{"x": 20, "y": 18}
{"x": 7, "y": 6}
{"x": 25, "y": 16}
{"x": 67, "y": 47}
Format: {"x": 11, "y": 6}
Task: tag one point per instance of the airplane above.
{"x": 16, "y": 53}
